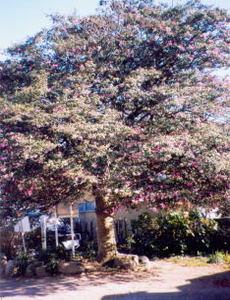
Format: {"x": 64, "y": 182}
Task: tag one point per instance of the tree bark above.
{"x": 107, "y": 246}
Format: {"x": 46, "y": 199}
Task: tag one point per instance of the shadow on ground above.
{"x": 50, "y": 285}
{"x": 212, "y": 287}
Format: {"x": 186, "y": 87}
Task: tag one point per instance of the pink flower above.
{"x": 29, "y": 192}
{"x": 3, "y": 145}
{"x": 154, "y": 209}
{"x": 162, "y": 205}
{"x": 170, "y": 43}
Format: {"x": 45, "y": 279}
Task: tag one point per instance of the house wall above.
{"x": 87, "y": 223}
{"x": 122, "y": 213}
{"x": 85, "y": 217}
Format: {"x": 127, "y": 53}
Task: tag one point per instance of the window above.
{"x": 87, "y": 206}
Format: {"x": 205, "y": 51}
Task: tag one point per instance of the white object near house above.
{"x": 63, "y": 210}
{"x": 43, "y": 222}
{"x": 53, "y": 221}
{"x": 69, "y": 244}
{"x": 23, "y": 226}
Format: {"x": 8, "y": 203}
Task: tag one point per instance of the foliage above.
{"x": 61, "y": 253}
{"x": 52, "y": 266}
{"x": 189, "y": 261}
{"x": 128, "y": 245}
{"x": 9, "y": 242}
{"x": 88, "y": 250}
{"x": 57, "y": 253}
{"x": 202, "y": 261}
{"x": 33, "y": 239}
{"x": 227, "y": 258}
{"x": 223, "y": 235}
{"x": 122, "y": 103}
{"x": 51, "y": 259}
{"x": 216, "y": 258}
{"x": 174, "y": 233}
{"x": 22, "y": 263}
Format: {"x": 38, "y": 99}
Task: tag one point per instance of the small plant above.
{"x": 61, "y": 253}
{"x": 129, "y": 242}
{"x": 22, "y": 263}
{"x": 58, "y": 253}
{"x": 189, "y": 261}
{"x": 89, "y": 250}
{"x": 52, "y": 266}
{"x": 216, "y": 258}
{"x": 44, "y": 256}
{"x": 227, "y": 258}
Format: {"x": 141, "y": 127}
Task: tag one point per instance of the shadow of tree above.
{"x": 212, "y": 287}
{"x": 49, "y": 285}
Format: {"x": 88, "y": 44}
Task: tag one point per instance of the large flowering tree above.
{"x": 122, "y": 103}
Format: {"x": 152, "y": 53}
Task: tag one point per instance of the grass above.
{"x": 189, "y": 261}
{"x": 220, "y": 258}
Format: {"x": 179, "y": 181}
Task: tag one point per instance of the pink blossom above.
{"x": 162, "y": 205}
{"x": 154, "y": 209}
{"x": 3, "y": 145}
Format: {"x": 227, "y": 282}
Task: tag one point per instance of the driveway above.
{"x": 165, "y": 281}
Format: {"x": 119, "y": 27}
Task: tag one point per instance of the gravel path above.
{"x": 165, "y": 281}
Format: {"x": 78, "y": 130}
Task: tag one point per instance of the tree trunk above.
{"x": 107, "y": 246}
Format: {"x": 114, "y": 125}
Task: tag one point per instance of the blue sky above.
{"x": 22, "y": 18}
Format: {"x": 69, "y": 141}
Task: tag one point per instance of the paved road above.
{"x": 166, "y": 281}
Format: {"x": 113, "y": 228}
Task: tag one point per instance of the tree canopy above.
{"x": 122, "y": 102}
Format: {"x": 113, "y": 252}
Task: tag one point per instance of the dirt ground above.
{"x": 165, "y": 281}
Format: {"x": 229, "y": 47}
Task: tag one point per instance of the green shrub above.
{"x": 22, "y": 262}
{"x": 61, "y": 253}
{"x": 216, "y": 258}
{"x": 52, "y": 266}
{"x": 227, "y": 258}
{"x": 44, "y": 256}
{"x": 222, "y": 239}
{"x": 173, "y": 233}
{"x": 33, "y": 239}
{"x": 203, "y": 234}
{"x": 10, "y": 242}
{"x": 88, "y": 250}
{"x": 51, "y": 259}
{"x": 57, "y": 253}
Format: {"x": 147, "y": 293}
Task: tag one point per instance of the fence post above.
{"x": 72, "y": 229}
{"x": 56, "y": 226}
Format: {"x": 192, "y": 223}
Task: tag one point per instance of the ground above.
{"x": 165, "y": 281}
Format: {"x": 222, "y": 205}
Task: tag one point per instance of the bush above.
{"x": 52, "y": 266}
{"x": 33, "y": 239}
{"x": 227, "y": 258}
{"x": 223, "y": 234}
{"x": 51, "y": 259}
{"x": 203, "y": 234}
{"x": 61, "y": 253}
{"x": 174, "y": 233}
{"x": 10, "y": 242}
{"x": 88, "y": 250}
{"x": 22, "y": 263}
{"x": 216, "y": 258}
{"x": 57, "y": 253}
